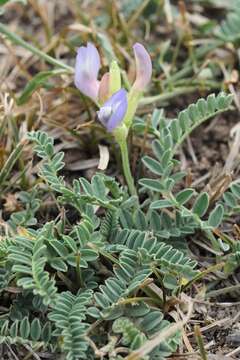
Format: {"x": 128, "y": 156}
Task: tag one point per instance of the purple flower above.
{"x": 143, "y": 67}
{"x": 113, "y": 110}
{"x": 86, "y": 71}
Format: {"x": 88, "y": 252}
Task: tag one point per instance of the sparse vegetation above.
{"x": 119, "y": 179}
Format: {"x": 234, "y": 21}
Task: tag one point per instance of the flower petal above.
{"x": 114, "y": 109}
{"x": 116, "y": 98}
{"x": 86, "y": 70}
{"x": 94, "y": 62}
{"x": 143, "y": 67}
{"x": 117, "y": 116}
{"x": 104, "y": 88}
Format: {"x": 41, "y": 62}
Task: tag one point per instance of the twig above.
{"x": 31, "y": 352}
{"x": 11, "y": 351}
{"x": 234, "y": 352}
{"x": 216, "y": 323}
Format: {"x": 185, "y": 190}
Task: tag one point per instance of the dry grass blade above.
{"x": 5, "y": 171}
{"x": 234, "y": 151}
{"x": 18, "y": 40}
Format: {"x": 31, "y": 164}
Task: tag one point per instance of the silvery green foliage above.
{"x": 31, "y": 205}
{"x": 170, "y": 135}
{"x": 84, "y": 279}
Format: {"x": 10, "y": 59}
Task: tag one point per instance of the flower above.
{"x": 118, "y": 105}
{"x": 143, "y": 67}
{"x": 86, "y": 71}
{"x": 113, "y": 110}
{"x": 103, "y": 92}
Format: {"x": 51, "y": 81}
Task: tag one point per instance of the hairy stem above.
{"x": 126, "y": 167}
{"x": 176, "y": 92}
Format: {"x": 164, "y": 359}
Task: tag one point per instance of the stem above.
{"x": 132, "y": 300}
{"x": 203, "y": 274}
{"x": 104, "y": 253}
{"x": 78, "y": 271}
{"x": 226, "y": 290}
{"x": 159, "y": 277}
{"x": 167, "y": 95}
{"x": 19, "y": 41}
{"x": 126, "y": 167}
{"x": 176, "y": 92}
{"x": 194, "y": 126}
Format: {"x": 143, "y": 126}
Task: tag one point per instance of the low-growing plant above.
{"x": 101, "y": 286}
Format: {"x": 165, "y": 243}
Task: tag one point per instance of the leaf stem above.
{"x": 176, "y": 92}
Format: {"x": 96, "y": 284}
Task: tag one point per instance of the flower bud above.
{"x": 115, "y": 78}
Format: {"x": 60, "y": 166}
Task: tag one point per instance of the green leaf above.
{"x": 99, "y": 187}
{"x": 211, "y": 103}
{"x": 35, "y": 83}
{"x": 152, "y": 319}
{"x": 230, "y": 199}
{"x": 201, "y": 204}
{"x": 166, "y": 158}
{"x": 216, "y": 216}
{"x": 160, "y": 204}
{"x": 184, "y": 120}
{"x": 175, "y": 129}
{"x": 183, "y": 196}
{"x": 235, "y": 188}
{"x": 157, "y": 148}
{"x": 47, "y": 332}
{"x": 152, "y": 184}
{"x": 156, "y": 117}
{"x": 35, "y": 330}
{"x": 25, "y": 328}
{"x": 14, "y": 329}
{"x": 153, "y": 165}
{"x": 59, "y": 248}
{"x": 170, "y": 281}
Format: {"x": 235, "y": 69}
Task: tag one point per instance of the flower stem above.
{"x": 126, "y": 167}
